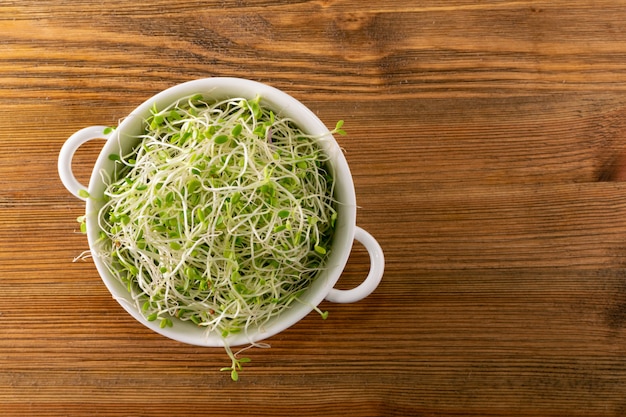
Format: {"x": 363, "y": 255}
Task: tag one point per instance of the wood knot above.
{"x": 615, "y": 169}
{"x": 353, "y": 22}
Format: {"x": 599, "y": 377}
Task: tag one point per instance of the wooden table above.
{"x": 484, "y": 140}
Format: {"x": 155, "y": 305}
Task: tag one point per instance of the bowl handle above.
{"x": 377, "y": 266}
{"x": 68, "y": 150}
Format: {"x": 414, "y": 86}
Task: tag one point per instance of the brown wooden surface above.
{"x": 484, "y": 140}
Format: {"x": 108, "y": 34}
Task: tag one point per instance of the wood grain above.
{"x": 486, "y": 141}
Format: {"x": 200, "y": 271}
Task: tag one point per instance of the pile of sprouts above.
{"x": 222, "y": 215}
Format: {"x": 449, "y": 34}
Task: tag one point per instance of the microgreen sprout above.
{"x": 338, "y": 128}
{"x": 222, "y": 215}
{"x": 83, "y": 224}
{"x": 237, "y": 364}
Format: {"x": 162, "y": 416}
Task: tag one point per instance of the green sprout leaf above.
{"x": 320, "y": 249}
{"x": 220, "y": 139}
{"x": 338, "y": 128}
{"x": 83, "y": 224}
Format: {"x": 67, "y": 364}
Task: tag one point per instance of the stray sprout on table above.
{"x": 222, "y": 215}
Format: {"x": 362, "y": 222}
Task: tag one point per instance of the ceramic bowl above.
{"x": 123, "y": 139}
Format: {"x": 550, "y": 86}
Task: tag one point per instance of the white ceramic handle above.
{"x": 377, "y": 267}
{"x": 68, "y": 150}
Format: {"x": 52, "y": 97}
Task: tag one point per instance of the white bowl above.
{"x": 123, "y": 139}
